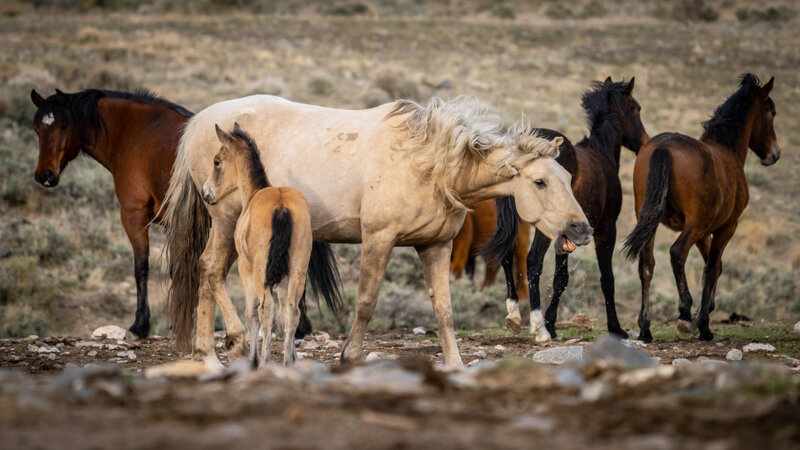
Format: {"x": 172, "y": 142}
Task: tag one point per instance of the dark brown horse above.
{"x": 614, "y": 121}
{"x": 478, "y": 227}
{"x": 698, "y": 188}
{"x": 134, "y": 136}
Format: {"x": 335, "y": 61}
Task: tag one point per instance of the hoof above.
{"x": 706, "y": 336}
{"x": 237, "y": 349}
{"x": 686, "y": 328}
{"x": 140, "y": 331}
{"x": 514, "y": 324}
{"x": 542, "y": 335}
{"x": 537, "y": 326}
{"x": 646, "y": 337}
{"x": 210, "y": 361}
{"x": 618, "y": 332}
{"x": 551, "y": 330}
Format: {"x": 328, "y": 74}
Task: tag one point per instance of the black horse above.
{"x": 613, "y": 118}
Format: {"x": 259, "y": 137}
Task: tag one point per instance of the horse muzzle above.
{"x": 576, "y": 234}
{"x": 773, "y": 157}
{"x": 208, "y": 196}
{"x": 47, "y": 179}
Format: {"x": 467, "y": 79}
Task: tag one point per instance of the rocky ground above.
{"x": 119, "y": 393}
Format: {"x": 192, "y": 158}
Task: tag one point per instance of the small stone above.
{"x": 333, "y": 345}
{"x": 420, "y": 330}
{"x": 793, "y": 362}
{"x": 92, "y": 354}
{"x": 374, "y": 356}
{"x": 473, "y": 362}
{"x": 499, "y": 347}
{"x": 129, "y": 354}
{"x": 303, "y": 355}
{"x": 754, "y": 347}
{"x": 109, "y": 332}
{"x": 681, "y": 362}
{"x": 32, "y": 337}
{"x": 323, "y": 337}
{"x": 558, "y": 355}
{"x": 633, "y": 334}
{"x": 572, "y": 341}
{"x": 796, "y": 328}
{"x": 33, "y": 348}
{"x": 480, "y": 354}
{"x": 310, "y": 345}
{"x": 734, "y": 355}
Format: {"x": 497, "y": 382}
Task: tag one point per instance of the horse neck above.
{"x": 606, "y": 138}
{"x": 479, "y": 181}
{"x": 244, "y": 181}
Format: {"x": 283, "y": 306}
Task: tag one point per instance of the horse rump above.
{"x": 655, "y": 200}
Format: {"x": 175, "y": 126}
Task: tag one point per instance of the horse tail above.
{"x": 187, "y": 225}
{"x": 505, "y": 232}
{"x": 323, "y": 273}
{"x": 279, "y": 243}
{"x": 304, "y": 327}
{"x": 655, "y": 200}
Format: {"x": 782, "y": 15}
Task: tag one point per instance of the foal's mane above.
{"x": 255, "y": 169}
{"x": 83, "y": 106}
{"x": 727, "y": 124}
{"x": 446, "y": 134}
{"x": 600, "y": 103}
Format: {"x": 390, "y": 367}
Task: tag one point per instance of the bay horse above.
{"x": 399, "y": 174}
{"x": 273, "y": 239}
{"x": 698, "y": 188}
{"x": 613, "y": 116}
{"x": 478, "y": 227}
{"x": 134, "y": 136}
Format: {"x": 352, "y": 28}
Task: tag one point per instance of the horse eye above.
{"x": 216, "y": 163}
{"x": 540, "y": 183}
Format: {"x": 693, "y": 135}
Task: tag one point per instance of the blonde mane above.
{"x": 448, "y": 133}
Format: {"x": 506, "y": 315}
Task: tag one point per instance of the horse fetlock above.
{"x": 514, "y": 318}
{"x": 537, "y": 326}
{"x": 686, "y": 327}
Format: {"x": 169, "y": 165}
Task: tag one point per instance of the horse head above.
{"x": 59, "y": 137}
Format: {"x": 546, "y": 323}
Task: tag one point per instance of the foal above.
{"x": 273, "y": 239}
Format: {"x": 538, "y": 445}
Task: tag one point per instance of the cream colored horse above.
{"x": 396, "y": 175}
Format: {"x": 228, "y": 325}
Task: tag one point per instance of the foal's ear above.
{"x": 61, "y": 97}
{"x": 608, "y": 80}
{"x": 767, "y": 88}
{"x": 36, "y": 98}
{"x": 223, "y": 135}
{"x": 629, "y": 87}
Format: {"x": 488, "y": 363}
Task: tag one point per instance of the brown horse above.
{"x": 613, "y": 116}
{"x": 134, "y": 136}
{"x": 699, "y": 188}
{"x": 475, "y": 232}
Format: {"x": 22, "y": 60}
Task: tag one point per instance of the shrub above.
{"x": 347, "y": 9}
{"x": 558, "y": 11}
{"x": 594, "y": 9}
{"x": 694, "y": 10}
{"x": 320, "y": 84}
{"x": 394, "y": 84}
{"x": 771, "y": 14}
{"x": 503, "y": 12}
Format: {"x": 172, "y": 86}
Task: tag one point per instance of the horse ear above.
{"x": 608, "y": 80}
{"x": 236, "y": 127}
{"x": 61, "y": 98}
{"x": 767, "y": 88}
{"x": 222, "y": 135}
{"x": 36, "y": 98}
{"x": 629, "y": 87}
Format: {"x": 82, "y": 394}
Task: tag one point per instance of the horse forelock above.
{"x": 524, "y": 144}
{"x": 446, "y": 134}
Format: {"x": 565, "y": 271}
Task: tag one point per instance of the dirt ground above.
{"x": 503, "y": 401}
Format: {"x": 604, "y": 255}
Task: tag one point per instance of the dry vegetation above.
{"x": 69, "y": 265}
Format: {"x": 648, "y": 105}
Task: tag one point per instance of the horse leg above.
{"x": 251, "y": 308}
{"x": 513, "y": 319}
{"x": 521, "y": 246}
{"x": 678, "y": 253}
{"x": 604, "y": 240}
{"x": 646, "y": 264}
{"x": 461, "y": 248}
{"x": 266, "y": 314}
{"x": 375, "y": 251}
{"x": 434, "y": 266}
{"x": 704, "y": 246}
{"x": 711, "y": 274}
{"x": 490, "y": 274}
{"x": 535, "y": 263}
{"x": 135, "y": 221}
{"x": 291, "y": 315}
{"x": 560, "y": 282}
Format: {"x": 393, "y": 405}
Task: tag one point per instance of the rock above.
{"x": 420, "y": 330}
{"x": 180, "y": 369}
{"x": 473, "y": 362}
{"x": 611, "y": 351}
{"x": 375, "y": 356}
{"x": 734, "y": 355}
{"x": 572, "y": 341}
{"x": 796, "y": 328}
{"x": 303, "y": 355}
{"x": 109, "y": 332}
{"x": 33, "y": 348}
{"x": 754, "y": 347}
{"x": 681, "y": 362}
{"x": 499, "y": 347}
{"x": 32, "y": 337}
{"x": 558, "y": 355}
{"x": 792, "y": 362}
{"x": 332, "y": 345}
{"x": 310, "y": 345}
{"x": 633, "y": 334}
{"x": 92, "y": 354}
{"x": 386, "y": 376}
{"x": 129, "y": 354}
{"x": 480, "y": 354}
{"x": 322, "y": 337}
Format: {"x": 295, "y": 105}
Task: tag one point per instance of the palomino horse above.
{"x": 478, "y": 227}
{"x": 699, "y": 188}
{"x": 134, "y": 136}
{"x": 396, "y": 175}
{"x": 613, "y": 117}
{"x": 273, "y": 240}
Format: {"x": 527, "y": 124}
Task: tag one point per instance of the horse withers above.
{"x": 698, "y": 188}
{"x": 399, "y": 174}
{"x": 273, "y": 240}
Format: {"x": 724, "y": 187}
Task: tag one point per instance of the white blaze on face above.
{"x": 48, "y": 119}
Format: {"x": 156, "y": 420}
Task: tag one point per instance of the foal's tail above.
{"x": 279, "y": 243}
{"x": 505, "y": 232}
{"x": 188, "y": 223}
{"x": 655, "y": 200}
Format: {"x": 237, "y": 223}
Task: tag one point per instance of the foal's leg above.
{"x": 135, "y": 221}
{"x": 710, "y": 276}
{"x": 375, "y": 251}
{"x": 646, "y": 264}
{"x": 535, "y": 265}
{"x": 678, "y": 253}
{"x": 291, "y": 314}
{"x": 251, "y": 307}
{"x": 513, "y": 319}
{"x": 604, "y": 239}
{"x": 266, "y": 313}
{"x": 435, "y": 259}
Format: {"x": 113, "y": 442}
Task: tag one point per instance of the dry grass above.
{"x": 530, "y": 64}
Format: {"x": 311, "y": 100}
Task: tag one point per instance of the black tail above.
{"x": 278, "y": 257}
{"x": 323, "y": 273}
{"x": 505, "y": 232}
{"x": 304, "y": 326}
{"x": 655, "y": 200}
